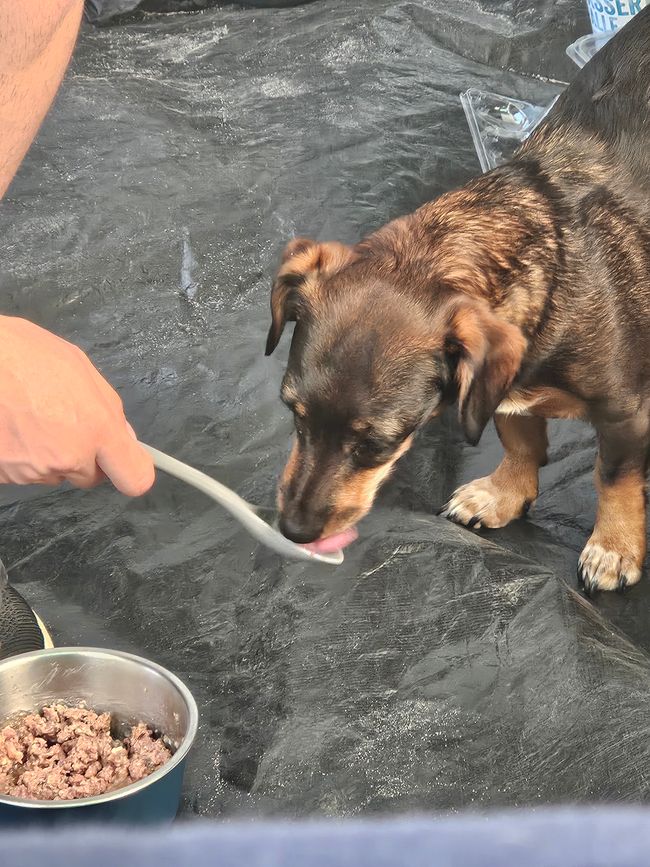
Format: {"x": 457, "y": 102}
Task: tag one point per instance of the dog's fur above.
{"x": 524, "y": 295}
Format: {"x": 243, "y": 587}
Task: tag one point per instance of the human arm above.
{"x": 59, "y": 419}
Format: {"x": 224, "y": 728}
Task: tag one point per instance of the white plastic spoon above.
{"x": 245, "y": 513}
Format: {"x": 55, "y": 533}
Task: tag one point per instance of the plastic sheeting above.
{"x": 437, "y": 668}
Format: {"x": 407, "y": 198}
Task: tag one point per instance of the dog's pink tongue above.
{"x": 332, "y": 544}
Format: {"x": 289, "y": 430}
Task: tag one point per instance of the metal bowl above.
{"x": 133, "y": 690}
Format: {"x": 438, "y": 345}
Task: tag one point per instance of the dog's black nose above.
{"x": 300, "y": 531}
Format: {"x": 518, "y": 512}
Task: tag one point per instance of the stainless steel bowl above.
{"x": 133, "y": 690}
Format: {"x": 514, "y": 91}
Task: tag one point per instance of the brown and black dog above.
{"x": 524, "y": 295}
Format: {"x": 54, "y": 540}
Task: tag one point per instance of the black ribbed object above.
{"x": 197, "y": 5}
{"x": 102, "y": 11}
{"x": 19, "y": 629}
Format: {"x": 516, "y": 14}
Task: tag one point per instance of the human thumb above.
{"x": 127, "y": 464}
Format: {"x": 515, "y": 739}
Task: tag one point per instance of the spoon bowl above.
{"x": 247, "y": 514}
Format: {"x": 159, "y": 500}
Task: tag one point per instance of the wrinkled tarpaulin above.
{"x": 436, "y": 668}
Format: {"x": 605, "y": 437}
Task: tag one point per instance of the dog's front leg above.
{"x": 613, "y": 557}
{"x": 497, "y": 499}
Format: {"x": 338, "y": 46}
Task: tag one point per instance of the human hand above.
{"x": 59, "y": 418}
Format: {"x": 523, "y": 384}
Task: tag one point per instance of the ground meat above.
{"x": 65, "y": 753}
{"x": 145, "y": 753}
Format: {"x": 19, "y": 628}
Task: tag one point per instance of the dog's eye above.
{"x": 368, "y": 452}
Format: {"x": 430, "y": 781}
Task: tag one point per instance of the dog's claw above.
{"x": 622, "y": 584}
{"x": 451, "y": 514}
{"x": 585, "y": 582}
{"x": 455, "y": 518}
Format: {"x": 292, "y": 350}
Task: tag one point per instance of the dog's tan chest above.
{"x": 546, "y": 402}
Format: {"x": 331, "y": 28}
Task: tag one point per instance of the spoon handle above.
{"x": 238, "y": 508}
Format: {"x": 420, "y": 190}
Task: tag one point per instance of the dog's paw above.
{"x": 601, "y": 568}
{"x": 484, "y": 503}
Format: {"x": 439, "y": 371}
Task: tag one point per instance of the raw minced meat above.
{"x": 65, "y": 753}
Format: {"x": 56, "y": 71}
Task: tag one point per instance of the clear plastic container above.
{"x": 499, "y": 124}
{"x": 582, "y": 50}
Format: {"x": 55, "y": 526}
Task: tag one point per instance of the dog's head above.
{"x": 372, "y": 361}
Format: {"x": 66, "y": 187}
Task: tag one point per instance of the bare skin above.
{"x": 59, "y": 419}
{"x": 36, "y": 41}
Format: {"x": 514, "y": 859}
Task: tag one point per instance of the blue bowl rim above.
{"x": 133, "y": 788}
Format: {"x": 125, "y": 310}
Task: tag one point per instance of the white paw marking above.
{"x": 483, "y": 504}
{"x": 603, "y": 569}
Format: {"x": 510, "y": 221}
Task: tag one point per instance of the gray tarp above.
{"x": 436, "y": 668}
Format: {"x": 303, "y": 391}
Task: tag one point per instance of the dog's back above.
{"x": 600, "y": 126}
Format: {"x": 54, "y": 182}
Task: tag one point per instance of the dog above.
{"x": 522, "y": 296}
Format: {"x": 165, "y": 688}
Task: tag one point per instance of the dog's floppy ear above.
{"x": 487, "y": 354}
{"x": 295, "y": 288}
